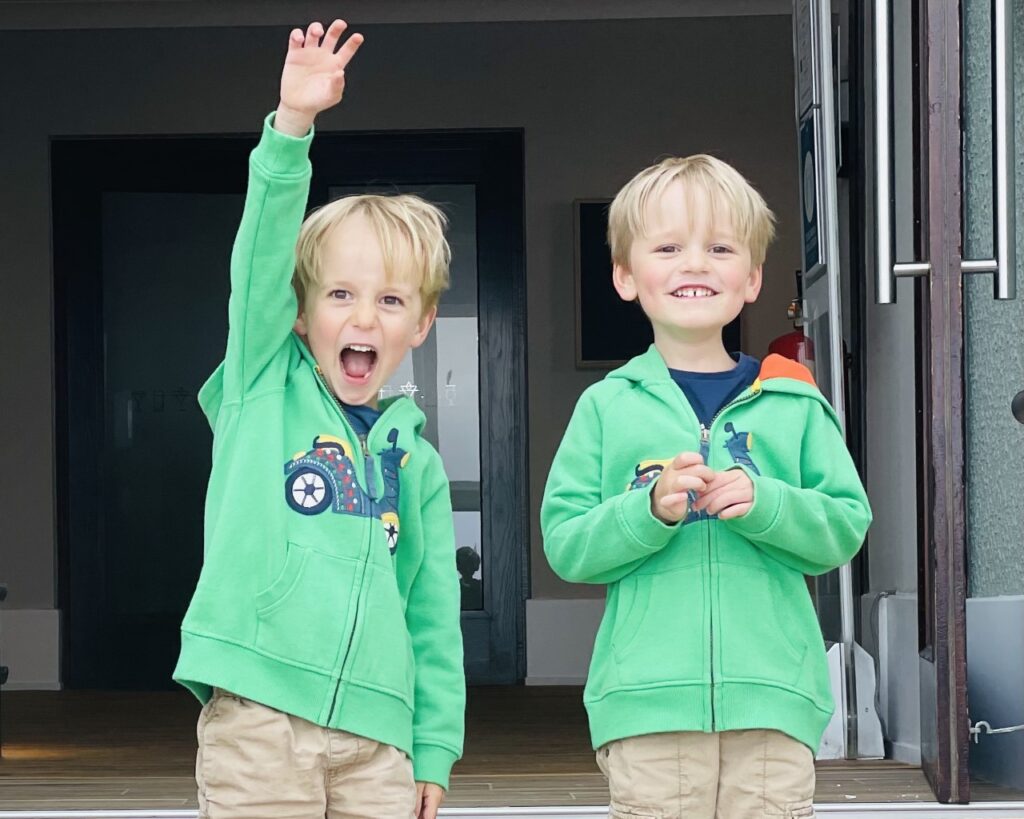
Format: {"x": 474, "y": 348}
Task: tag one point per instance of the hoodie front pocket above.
{"x": 382, "y": 656}
{"x": 302, "y": 615}
{"x": 627, "y": 615}
{"x": 760, "y": 639}
{"x": 658, "y": 634}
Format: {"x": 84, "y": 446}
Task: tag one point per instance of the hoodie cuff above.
{"x": 432, "y": 763}
{"x": 765, "y": 509}
{"x": 281, "y": 154}
{"x": 638, "y": 520}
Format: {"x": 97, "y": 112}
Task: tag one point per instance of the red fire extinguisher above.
{"x": 795, "y": 345}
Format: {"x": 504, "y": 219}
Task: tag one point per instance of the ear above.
{"x": 423, "y": 328}
{"x": 300, "y": 326}
{"x": 622, "y": 278}
{"x": 753, "y": 288}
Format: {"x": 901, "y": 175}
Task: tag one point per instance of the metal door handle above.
{"x": 1017, "y": 406}
{"x": 1004, "y": 265}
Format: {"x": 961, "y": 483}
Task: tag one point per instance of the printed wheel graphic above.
{"x": 307, "y": 491}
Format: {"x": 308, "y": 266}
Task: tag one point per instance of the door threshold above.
{"x": 879, "y": 810}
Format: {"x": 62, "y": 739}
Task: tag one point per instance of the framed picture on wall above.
{"x": 609, "y": 331}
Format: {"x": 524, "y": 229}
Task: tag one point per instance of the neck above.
{"x": 694, "y": 351}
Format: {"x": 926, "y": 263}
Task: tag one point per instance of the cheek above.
{"x": 646, "y": 283}
{"x": 325, "y": 330}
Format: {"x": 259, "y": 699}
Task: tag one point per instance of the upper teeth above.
{"x": 360, "y": 348}
{"x": 693, "y": 292}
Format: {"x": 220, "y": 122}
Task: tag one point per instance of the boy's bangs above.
{"x": 703, "y": 193}
{"x": 401, "y": 265}
{"x": 409, "y": 232}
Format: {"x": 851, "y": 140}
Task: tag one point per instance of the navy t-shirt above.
{"x": 361, "y": 417}
{"x": 709, "y": 392}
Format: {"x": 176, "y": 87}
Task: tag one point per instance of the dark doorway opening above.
{"x": 142, "y": 231}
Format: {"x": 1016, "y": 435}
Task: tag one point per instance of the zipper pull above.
{"x": 705, "y": 443}
{"x": 362, "y": 443}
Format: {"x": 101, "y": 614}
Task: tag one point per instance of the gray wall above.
{"x": 994, "y": 360}
{"x": 597, "y": 100}
{"x": 994, "y": 366}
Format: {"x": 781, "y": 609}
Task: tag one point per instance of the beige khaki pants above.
{"x": 691, "y": 775}
{"x": 257, "y": 763}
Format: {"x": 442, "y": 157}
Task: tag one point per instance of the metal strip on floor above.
{"x": 887, "y": 810}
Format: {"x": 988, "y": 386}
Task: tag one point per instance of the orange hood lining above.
{"x": 777, "y": 366}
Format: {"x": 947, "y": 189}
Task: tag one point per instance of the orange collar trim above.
{"x": 777, "y": 366}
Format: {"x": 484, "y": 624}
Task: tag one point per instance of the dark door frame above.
{"x": 939, "y": 411}
{"x": 942, "y": 535}
{"x": 83, "y": 168}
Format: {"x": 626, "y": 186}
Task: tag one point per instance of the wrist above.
{"x": 662, "y": 515}
{"x": 291, "y": 122}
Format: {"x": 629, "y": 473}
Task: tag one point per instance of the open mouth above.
{"x": 358, "y": 361}
{"x": 694, "y": 292}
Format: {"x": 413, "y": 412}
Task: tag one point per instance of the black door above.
{"x": 142, "y": 237}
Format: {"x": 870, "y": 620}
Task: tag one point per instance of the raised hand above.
{"x": 313, "y": 78}
{"x": 670, "y": 496}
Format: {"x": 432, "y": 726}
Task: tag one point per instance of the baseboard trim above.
{"x": 32, "y": 685}
{"x": 30, "y": 648}
{"x": 560, "y": 639}
{"x": 556, "y": 681}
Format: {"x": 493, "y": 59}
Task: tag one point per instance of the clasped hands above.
{"x": 728, "y": 494}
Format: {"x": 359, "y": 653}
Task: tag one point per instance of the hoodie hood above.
{"x": 778, "y": 374}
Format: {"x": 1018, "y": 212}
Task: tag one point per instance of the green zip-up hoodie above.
{"x": 708, "y": 624}
{"x": 329, "y": 589}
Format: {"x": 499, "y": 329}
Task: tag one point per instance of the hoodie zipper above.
{"x": 369, "y": 477}
{"x": 705, "y": 451}
{"x": 369, "y": 466}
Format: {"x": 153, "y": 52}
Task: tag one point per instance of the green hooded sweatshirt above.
{"x": 708, "y": 624}
{"x": 329, "y": 589}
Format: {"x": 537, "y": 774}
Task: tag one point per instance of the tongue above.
{"x": 357, "y": 364}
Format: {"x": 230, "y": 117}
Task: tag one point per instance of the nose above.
{"x": 364, "y": 316}
{"x": 693, "y": 258}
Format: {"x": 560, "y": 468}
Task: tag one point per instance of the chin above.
{"x": 358, "y": 398}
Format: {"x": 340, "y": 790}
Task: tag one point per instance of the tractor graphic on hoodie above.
{"x": 324, "y": 477}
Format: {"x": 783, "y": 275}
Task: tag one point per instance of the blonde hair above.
{"x": 721, "y": 187}
{"x": 411, "y": 235}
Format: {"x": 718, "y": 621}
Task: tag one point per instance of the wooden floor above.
{"x": 524, "y": 746}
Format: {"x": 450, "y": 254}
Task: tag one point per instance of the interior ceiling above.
{"x": 85, "y": 14}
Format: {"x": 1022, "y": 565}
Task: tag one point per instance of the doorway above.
{"x": 142, "y": 236}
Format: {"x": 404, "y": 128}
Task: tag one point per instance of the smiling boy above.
{"x": 701, "y": 487}
{"x": 323, "y": 638}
